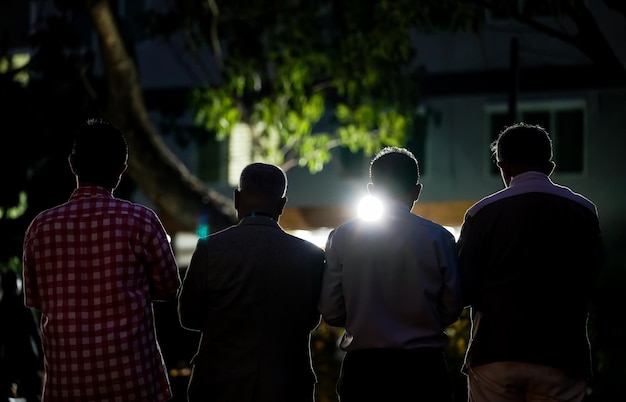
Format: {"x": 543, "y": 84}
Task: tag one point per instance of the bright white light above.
{"x": 317, "y": 236}
{"x": 184, "y": 245}
{"x": 370, "y": 208}
{"x": 455, "y": 230}
{"x": 239, "y": 151}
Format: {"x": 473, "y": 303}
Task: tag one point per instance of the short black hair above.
{"x": 523, "y": 144}
{"x": 264, "y": 180}
{"x": 395, "y": 169}
{"x": 99, "y": 152}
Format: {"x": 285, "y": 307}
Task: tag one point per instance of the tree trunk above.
{"x": 165, "y": 180}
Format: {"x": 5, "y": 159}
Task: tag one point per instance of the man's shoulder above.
{"x": 132, "y": 208}
{"x": 291, "y": 240}
{"x": 49, "y": 214}
{"x": 571, "y": 195}
{"x": 433, "y": 227}
{"x": 346, "y": 227}
{"x": 302, "y": 243}
{"x": 236, "y": 234}
{"x": 487, "y": 200}
{"x": 519, "y": 196}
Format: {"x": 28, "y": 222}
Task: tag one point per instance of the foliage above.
{"x": 458, "y": 336}
{"x": 306, "y": 77}
{"x": 326, "y": 357}
{"x": 14, "y": 264}
{"x": 15, "y": 211}
{"x": 300, "y": 69}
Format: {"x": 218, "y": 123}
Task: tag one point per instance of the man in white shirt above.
{"x": 393, "y": 285}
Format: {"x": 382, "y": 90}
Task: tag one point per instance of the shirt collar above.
{"x": 258, "y": 220}
{"x": 529, "y": 178}
{"x": 395, "y": 207}
{"x": 90, "y": 192}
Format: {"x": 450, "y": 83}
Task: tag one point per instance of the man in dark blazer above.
{"x": 252, "y": 290}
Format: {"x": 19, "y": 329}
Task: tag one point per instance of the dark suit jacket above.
{"x": 252, "y": 290}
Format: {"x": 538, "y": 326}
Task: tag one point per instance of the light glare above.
{"x": 370, "y": 208}
{"x": 315, "y": 236}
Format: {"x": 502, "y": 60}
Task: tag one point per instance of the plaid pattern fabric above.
{"x": 93, "y": 266}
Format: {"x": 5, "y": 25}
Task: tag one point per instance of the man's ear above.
{"x": 506, "y": 171}
{"x": 504, "y": 166}
{"x": 236, "y": 195}
{"x": 281, "y": 205}
{"x": 417, "y": 190}
{"x": 119, "y": 176}
{"x": 551, "y": 168}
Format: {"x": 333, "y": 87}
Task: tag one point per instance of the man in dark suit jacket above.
{"x": 252, "y": 290}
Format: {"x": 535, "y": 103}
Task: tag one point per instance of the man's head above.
{"x": 99, "y": 154}
{"x": 521, "y": 148}
{"x": 394, "y": 173}
{"x": 262, "y": 190}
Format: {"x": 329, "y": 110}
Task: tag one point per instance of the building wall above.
{"x": 457, "y": 162}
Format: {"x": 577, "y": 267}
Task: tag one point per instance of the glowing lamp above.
{"x": 370, "y": 208}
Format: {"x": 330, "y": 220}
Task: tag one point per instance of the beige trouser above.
{"x": 523, "y": 382}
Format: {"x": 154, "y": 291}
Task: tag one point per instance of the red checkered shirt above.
{"x": 93, "y": 266}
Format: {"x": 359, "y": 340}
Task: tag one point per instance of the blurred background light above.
{"x": 370, "y": 208}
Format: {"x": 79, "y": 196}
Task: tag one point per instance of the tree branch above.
{"x": 155, "y": 169}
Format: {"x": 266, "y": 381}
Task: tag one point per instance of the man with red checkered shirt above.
{"x": 93, "y": 266}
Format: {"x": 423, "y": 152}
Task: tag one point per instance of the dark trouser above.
{"x": 395, "y": 375}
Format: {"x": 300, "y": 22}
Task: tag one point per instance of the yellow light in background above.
{"x": 370, "y": 208}
{"x": 182, "y": 372}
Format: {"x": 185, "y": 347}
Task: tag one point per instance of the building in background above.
{"x": 472, "y": 84}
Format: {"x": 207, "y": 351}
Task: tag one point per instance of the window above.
{"x": 565, "y": 122}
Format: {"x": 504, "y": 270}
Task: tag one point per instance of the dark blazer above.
{"x": 252, "y": 290}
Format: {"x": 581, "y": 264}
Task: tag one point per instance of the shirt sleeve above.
{"x": 164, "y": 274}
{"x": 332, "y": 304}
{"x": 31, "y": 291}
